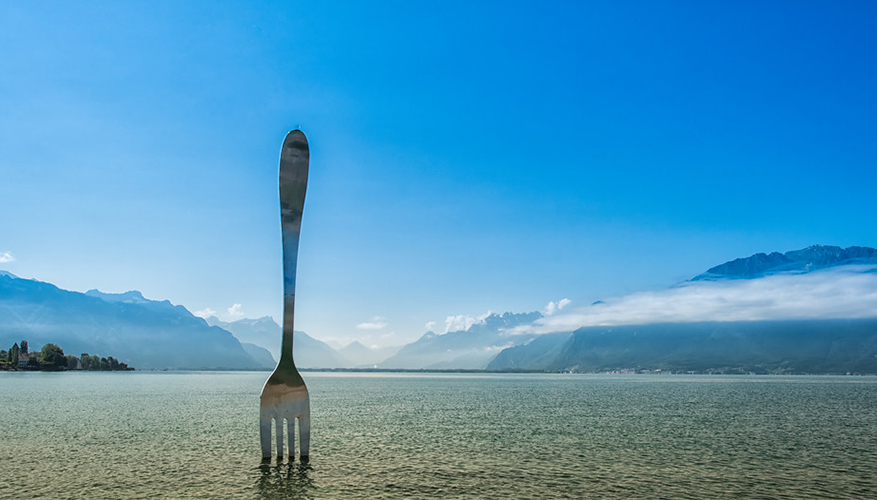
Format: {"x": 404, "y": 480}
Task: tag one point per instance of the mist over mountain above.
{"x": 260, "y": 355}
{"x": 309, "y": 352}
{"x": 263, "y": 332}
{"x": 363, "y": 356}
{"x": 358, "y": 354}
{"x": 822, "y": 282}
{"x": 472, "y": 348}
{"x": 812, "y": 310}
{"x": 145, "y": 334}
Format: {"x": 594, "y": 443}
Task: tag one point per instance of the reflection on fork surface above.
{"x": 285, "y": 397}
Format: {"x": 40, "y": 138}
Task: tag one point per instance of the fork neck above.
{"x": 286, "y": 344}
{"x": 291, "y": 224}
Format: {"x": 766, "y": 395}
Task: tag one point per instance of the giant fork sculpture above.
{"x": 285, "y": 395}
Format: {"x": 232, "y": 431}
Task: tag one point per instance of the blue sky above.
{"x": 465, "y": 156}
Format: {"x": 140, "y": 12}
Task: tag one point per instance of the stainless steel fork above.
{"x": 285, "y": 395}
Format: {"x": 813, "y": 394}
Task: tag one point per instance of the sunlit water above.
{"x": 195, "y": 435}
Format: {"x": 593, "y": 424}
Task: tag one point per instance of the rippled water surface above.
{"x": 195, "y": 435}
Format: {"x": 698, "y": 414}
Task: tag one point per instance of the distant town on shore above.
{"x": 52, "y": 358}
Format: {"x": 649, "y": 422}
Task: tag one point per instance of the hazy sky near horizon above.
{"x": 465, "y": 156}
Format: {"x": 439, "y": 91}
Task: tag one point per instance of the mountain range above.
{"x": 145, "y": 334}
{"x": 361, "y": 356}
{"x": 830, "y": 346}
{"x": 808, "y": 259}
{"x": 472, "y": 348}
{"x": 150, "y": 334}
{"x": 265, "y": 333}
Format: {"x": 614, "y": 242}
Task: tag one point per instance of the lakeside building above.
{"x": 24, "y": 359}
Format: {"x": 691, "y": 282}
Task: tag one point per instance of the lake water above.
{"x": 195, "y": 435}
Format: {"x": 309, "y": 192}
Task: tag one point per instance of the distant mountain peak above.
{"x": 131, "y": 297}
{"x": 804, "y": 260}
{"x": 265, "y": 319}
{"x": 7, "y": 273}
{"x": 354, "y": 349}
{"x": 507, "y": 320}
{"x": 264, "y": 322}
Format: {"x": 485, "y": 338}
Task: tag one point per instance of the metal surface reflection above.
{"x": 285, "y": 396}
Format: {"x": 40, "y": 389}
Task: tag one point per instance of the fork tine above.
{"x": 278, "y": 434}
{"x": 265, "y": 437}
{"x": 290, "y": 436}
{"x": 304, "y": 435}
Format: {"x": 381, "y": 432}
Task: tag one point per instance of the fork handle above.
{"x": 294, "y": 157}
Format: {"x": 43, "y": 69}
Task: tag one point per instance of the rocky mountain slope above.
{"x": 808, "y": 259}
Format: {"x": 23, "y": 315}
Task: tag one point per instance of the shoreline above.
{"x": 456, "y": 371}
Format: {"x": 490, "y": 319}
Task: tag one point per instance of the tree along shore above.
{"x": 52, "y": 358}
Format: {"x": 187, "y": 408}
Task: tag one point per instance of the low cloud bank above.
{"x": 840, "y": 292}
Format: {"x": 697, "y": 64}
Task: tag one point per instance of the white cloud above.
{"x": 429, "y": 325}
{"x": 841, "y": 292}
{"x": 6, "y": 257}
{"x": 234, "y": 312}
{"x": 462, "y": 322}
{"x": 553, "y": 307}
{"x": 376, "y": 323}
{"x": 204, "y": 313}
